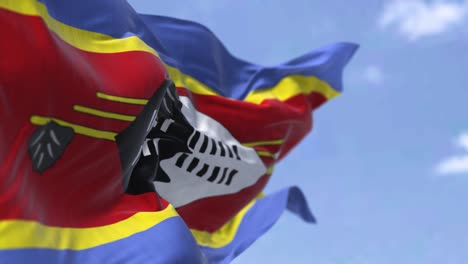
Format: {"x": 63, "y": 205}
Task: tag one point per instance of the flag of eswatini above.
{"x": 129, "y": 138}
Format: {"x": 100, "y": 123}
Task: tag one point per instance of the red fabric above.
{"x": 85, "y": 185}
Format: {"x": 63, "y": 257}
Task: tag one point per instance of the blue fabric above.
{"x": 168, "y": 242}
{"x": 205, "y": 58}
{"x": 196, "y": 51}
{"x": 259, "y": 219}
{"x": 115, "y": 18}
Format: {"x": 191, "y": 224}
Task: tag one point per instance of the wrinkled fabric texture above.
{"x": 129, "y": 138}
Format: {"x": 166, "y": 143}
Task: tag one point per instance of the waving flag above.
{"x": 260, "y": 112}
{"x": 66, "y": 92}
{"x": 140, "y": 139}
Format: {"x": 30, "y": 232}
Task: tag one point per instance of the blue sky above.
{"x": 385, "y": 169}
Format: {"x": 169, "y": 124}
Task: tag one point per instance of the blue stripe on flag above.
{"x": 258, "y": 220}
{"x": 168, "y": 242}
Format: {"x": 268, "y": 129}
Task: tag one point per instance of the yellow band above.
{"x": 81, "y": 39}
{"x": 79, "y": 129}
{"x": 31, "y": 234}
{"x": 120, "y": 99}
{"x": 288, "y": 87}
{"x": 226, "y": 233}
{"x": 104, "y": 114}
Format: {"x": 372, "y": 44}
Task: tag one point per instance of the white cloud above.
{"x": 419, "y": 18}
{"x": 373, "y": 75}
{"x": 458, "y": 163}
